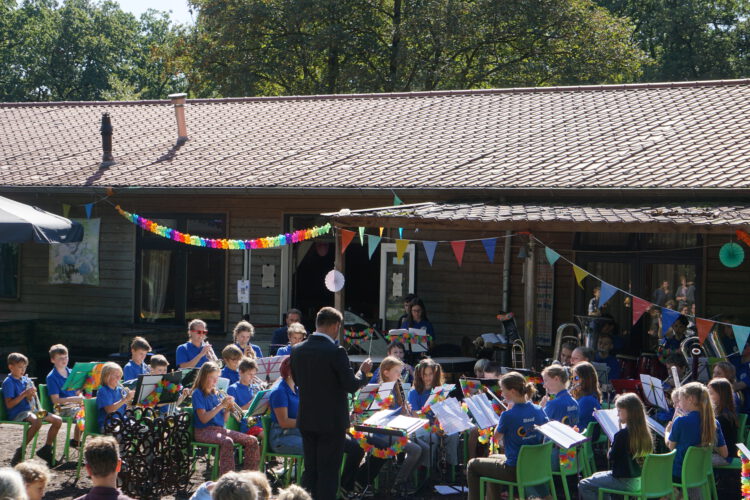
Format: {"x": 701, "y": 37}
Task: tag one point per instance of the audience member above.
{"x": 103, "y": 464}
{"x": 234, "y": 486}
{"x": 11, "y": 485}
{"x": 279, "y": 338}
{"x": 35, "y": 477}
{"x": 293, "y": 492}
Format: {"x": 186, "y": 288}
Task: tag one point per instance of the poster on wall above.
{"x": 77, "y": 263}
{"x": 396, "y": 280}
{"x": 545, "y": 297}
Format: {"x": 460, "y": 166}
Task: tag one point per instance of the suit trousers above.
{"x": 323, "y": 452}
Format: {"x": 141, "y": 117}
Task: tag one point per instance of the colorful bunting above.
{"x": 372, "y": 243}
{"x": 381, "y": 232}
{"x": 88, "y": 207}
{"x": 704, "y": 328}
{"x": 552, "y": 256}
{"x": 401, "y": 248}
{"x": 224, "y": 244}
{"x": 361, "y": 235}
{"x": 580, "y": 274}
{"x": 489, "y": 248}
{"x": 396, "y": 200}
{"x": 740, "y": 336}
{"x": 458, "y": 251}
{"x": 606, "y": 291}
{"x": 110, "y": 191}
{"x": 346, "y": 238}
{"x": 668, "y": 317}
{"x": 429, "y": 249}
{"x": 401, "y": 232}
{"x": 743, "y": 236}
{"x": 66, "y": 209}
{"x": 640, "y": 306}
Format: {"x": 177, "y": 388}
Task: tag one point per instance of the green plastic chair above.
{"x": 742, "y": 428}
{"x": 25, "y": 425}
{"x": 656, "y": 479}
{"x": 533, "y": 468}
{"x": 588, "y": 464}
{"x": 211, "y": 448}
{"x": 46, "y": 403}
{"x": 90, "y": 428}
{"x": 694, "y": 467}
{"x": 289, "y": 459}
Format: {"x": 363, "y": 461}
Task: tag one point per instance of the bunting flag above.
{"x": 66, "y": 209}
{"x": 429, "y": 249}
{"x": 346, "y": 238}
{"x": 401, "y": 248}
{"x": 110, "y": 191}
{"x": 552, "y": 256}
{"x": 396, "y": 200}
{"x": 640, "y": 306}
{"x": 88, "y": 207}
{"x": 740, "y": 335}
{"x": 381, "y": 232}
{"x": 704, "y": 328}
{"x": 361, "y": 235}
{"x": 401, "y": 232}
{"x": 606, "y": 291}
{"x": 372, "y": 243}
{"x": 489, "y": 247}
{"x": 580, "y": 274}
{"x": 668, "y": 317}
{"x": 458, "y": 251}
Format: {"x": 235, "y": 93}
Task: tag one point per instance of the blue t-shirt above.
{"x": 232, "y": 375}
{"x": 686, "y": 432}
{"x": 279, "y": 338}
{"x": 106, "y": 396}
{"x": 586, "y": 407}
{"x": 132, "y": 370}
{"x": 242, "y": 395}
{"x": 284, "y": 397}
{"x": 285, "y": 350}
{"x": 611, "y": 362}
{"x": 517, "y": 427}
{"x": 562, "y": 408}
{"x": 187, "y": 352}
{"x": 424, "y": 324}
{"x": 418, "y": 399}
{"x": 207, "y": 403}
{"x": 255, "y": 348}
{"x": 55, "y": 382}
{"x": 12, "y": 387}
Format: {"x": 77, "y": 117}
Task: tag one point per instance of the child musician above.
{"x": 18, "y": 390}
{"x": 243, "y": 332}
{"x": 296, "y": 334}
{"x": 630, "y": 446}
{"x": 722, "y": 400}
{"x": 158, "y": 366}
{"x": 56, "y": 378}
{"x": 139, "y": 348}
{"x": 396, "y": 350}
{"x": 232, "y": 356}
{"x": 243, "y": 391}
{"x": 516, "y": 428}
{"x": 697, "y": 428}
{"x": 210, "y": 415}
{"x": 111, "y": 396}
{"x": 558, "y": 404}
{"x": 585, "y": 389}
{"x": 194, "y": 352}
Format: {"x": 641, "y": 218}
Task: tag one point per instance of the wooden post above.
{"x": 339, "y": 265}
{"x": 529, "y": 308}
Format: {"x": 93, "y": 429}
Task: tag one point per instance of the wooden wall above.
{"x": 726, "y": 289}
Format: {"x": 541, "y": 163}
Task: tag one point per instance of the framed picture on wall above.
{"x": 396, "y": 281}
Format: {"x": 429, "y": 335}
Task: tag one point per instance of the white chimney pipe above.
{"x": 179, "y": 112}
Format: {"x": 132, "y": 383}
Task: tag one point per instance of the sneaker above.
{"x": 45, "y": 453}
{"x": 74, "y": 443}
{"x": 16, "y": 458}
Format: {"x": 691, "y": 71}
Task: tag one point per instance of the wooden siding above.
{"x": 723, "y": 286}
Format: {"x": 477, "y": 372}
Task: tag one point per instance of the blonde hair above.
{"x": 388, "y": 363}
{"x": 108, "y": 370}
{"x": 243, "y": 326}
{"x": 640, "y": 442}
{"x": 296, "y": 328}
{"x": 57, "y": 350}
{"x": 201, "y": 381}
{"x": 32, "y": 471}
{"x": 514, "y": 381}
{"x": 699, "y": 393}
{"x": 556, "y": 371}
{"x": 293, "y": 492}
{"x": 260, "y": 481}
{"x": 231, "y": 352}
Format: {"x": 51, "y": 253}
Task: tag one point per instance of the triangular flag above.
{"x": 580, "y": 274}
{"x": 668, "y": 317}
{"x": 740, "y": 335}
{"x": 640, "y": 306}
{"x": 429, "y": 249}
{"x": 381, "y": 232}
{"x": 401, "y": 232}
{"x": 606, "y": 291}
{"x": 66, "y": 209}
{"x": 361, "y": 236}
{"x": 704, "y": 328}
{"x": 401, "y": 248}
{"x": 346, "y": 238}
{"x": 372, "y": 243}
{"x": 458, "y": 250}
{"x": 88, "y": 207}
{"x": 489, "y": 247}
{"x": 396, "y": 200}
{"x": 552, "y": 256}
{"x": 110, "y": 191}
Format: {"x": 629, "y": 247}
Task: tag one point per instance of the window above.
{"x": 179, "y": 282}
{"x": 9, "y": 266}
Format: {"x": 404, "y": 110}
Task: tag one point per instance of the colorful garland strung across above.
{"x": 358, "y": 338}
{"x": 469, "y": 387}
{"x": 93, "y": 381}
{"x": 383, "y": 453}
{"x": 153, "y": 399}
{"x": 745, "y": 477}
{"x": 408, "y": 338}
{"x": 383, "y": 402}
{"x": 224, "y": 243}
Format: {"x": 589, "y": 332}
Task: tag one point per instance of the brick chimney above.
{"x": 179, "y": 112}
{"x": 106, "y": 130}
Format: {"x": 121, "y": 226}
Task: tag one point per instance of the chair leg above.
{"x": 66, "y": 449}
{"x": 80, "y": 456}
{"x": 24, "y": 441}
{"x": 215, "y": 468}
{"x": 482, "y": 486}
{"x": 554, "y": 490}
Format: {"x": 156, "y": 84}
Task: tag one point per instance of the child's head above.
{"x": 111, "y": 374}
{"x": 17, "y": 363}
{"x": 234, "y": 486}
{"x": 296, "y": 333}
{"x": 555, "y": 377}
{"x": 694, "y": 397}
{"x": 243, "y": 332}
{"x": 11, "y": 484}
{"x": 248, "y": 368}
{"x": 515, "y": 387}
{"x": 597, "y": 291}
{"x": 581, "y": 354}
{"x": 158, "y": 364}
{"x": 207, "y": 377}
{"x": 259, "y": 480}
{"x": 102, "y": 456}
{"x": 232, "y": 356}
{"x": 396, "y": 349}
{"x": 197, "y": 331}
{"x": 566, "y": 351}
{"x": 427, "y": 374}
{"x": 58, "y": 354}
{"x": 604, "y": 345}
{"x": 632, "y": 414}
{"x": 293, "y": 492}
{"x": 492, "y": 370}
{"x": 390, "y": 369}
{"x": 479, "y": 367}
{"x": 139, "y": 347}
{"x": 676, "y": 398}
{"x": 722, "y": 396}
{"x": 408, "y": 298}
{"x": 725, "y": 369}
{"x": 285, "y": 369}
{"x": 35, "y": 476}
{"x": 417, "y": 311}
{"x": 584, "y": 381}
{"x": 677, "y": 360}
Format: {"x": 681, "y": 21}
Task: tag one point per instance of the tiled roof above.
{"x": 691, "y": 135}
{"x": 718, "y": 218}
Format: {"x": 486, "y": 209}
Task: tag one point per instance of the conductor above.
{"x": 324, "y": 377}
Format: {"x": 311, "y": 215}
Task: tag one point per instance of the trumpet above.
{"x": 211, "y": 355}
{"x": 36, "y": 405}
{"x": 235, "y": 410}
{"x": 124, "y": 394}
{"x": 62, "y": 407}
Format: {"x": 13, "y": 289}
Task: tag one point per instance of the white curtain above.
{"x": 155, "y": 282}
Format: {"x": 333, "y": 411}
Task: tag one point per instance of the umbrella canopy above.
{"x": 20, "y": 223}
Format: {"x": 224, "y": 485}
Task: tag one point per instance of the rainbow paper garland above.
{"x": 80, "y": 419}
{"x": 469, "y": 387}
{"x": 224, "y": 243}
{"x": 408, "y": 338}
{"x": 389, "y": 452}
{"x": 485, "y": 435}
{"x": 153, "y": 399}
{"x": 374, "y": 396}
{"x": 568, "y": 459}
{"x": 358, "y": 338}
{"x": 745, "y": 478}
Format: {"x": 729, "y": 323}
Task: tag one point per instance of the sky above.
{"x": 180, "y": 13}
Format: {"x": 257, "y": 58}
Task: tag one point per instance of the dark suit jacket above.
{"x": 324, "y": 376}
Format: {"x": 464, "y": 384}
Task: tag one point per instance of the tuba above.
{"x": 692, "y": 350}
{"x": 560, "y": 338}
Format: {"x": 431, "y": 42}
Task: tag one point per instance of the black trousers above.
{"x": 323, "y": 453}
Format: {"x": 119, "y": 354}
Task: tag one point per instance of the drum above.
{"x": 628, "y": 366}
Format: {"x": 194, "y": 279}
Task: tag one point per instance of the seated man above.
{"x": 296, "y": 333}
{"x": 279, "y": 337}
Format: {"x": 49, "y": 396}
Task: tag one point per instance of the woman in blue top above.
{"x": 243, "y": 332}
{"x": 284, "y": 437}
{"x": 585, "y": 389}
{"x": 194, "y": 352}
{"x": 210, "y": 414}
{"x": 418, "y": 318}
{"x": 516, "y": 428}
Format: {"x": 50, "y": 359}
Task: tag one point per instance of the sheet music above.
{"x": 743, "y": 449}
{"x": 385, "y": 390}
{"x": 482, "y": 411}
{"x": 268, "y": 368}
{"x": 656, "y": 426}
{"x": 367, "y": 391}
{"x": 452, "y": 418}
{"x": 654, "y": 391}
{"x": 391, "y": 419}
{"x": 380, "y": 418}
{"x": 609, "y": 421}
{"x": 420, "y": 346}
{"x": 260, "y": 404}
{"x": 562, "y": 435}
